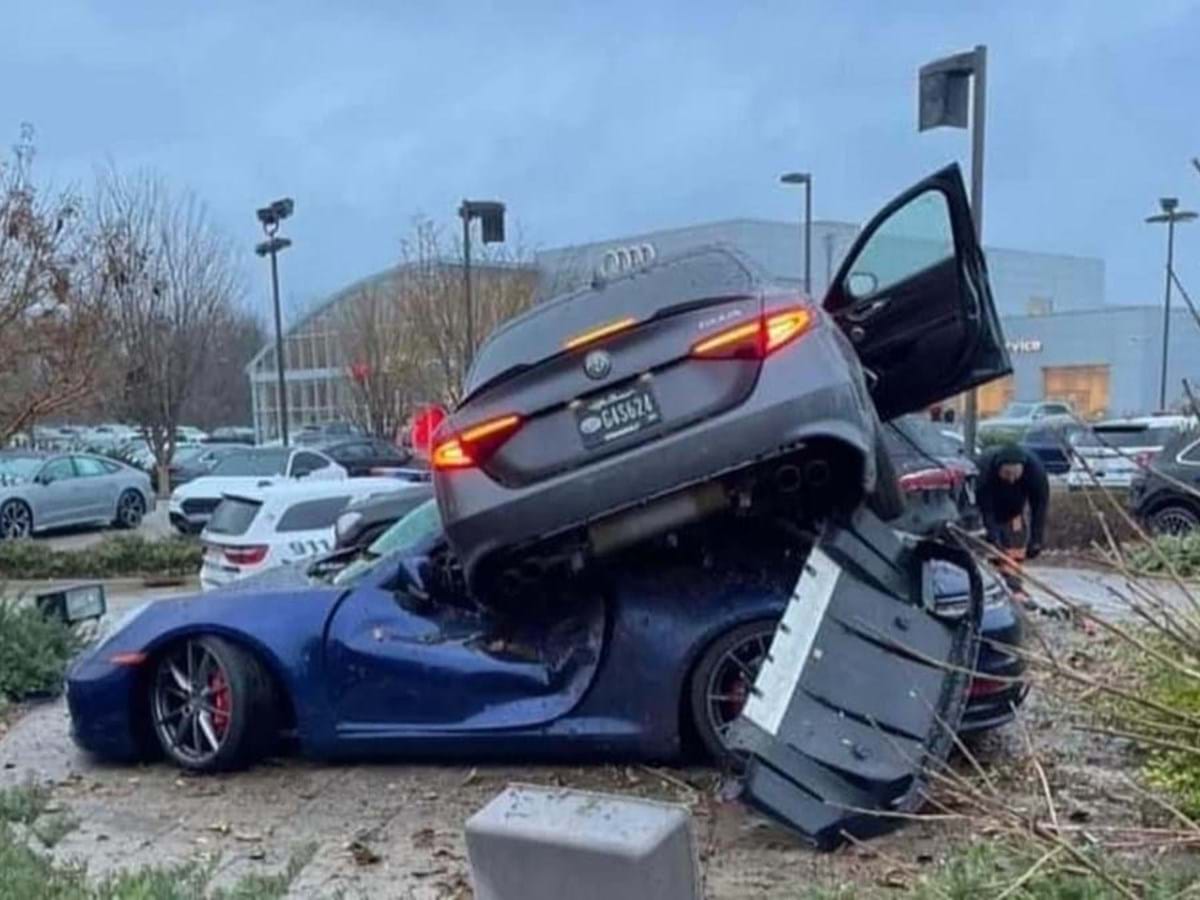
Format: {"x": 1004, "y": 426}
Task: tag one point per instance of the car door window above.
{"x": 57, "y": 470}
{"x": 1191, "y": 454}
{"x": 353, "y": 451}
{"x": 912, "y": 240}
{"x": 86, "y": 467}
{"x": 307, "y": 463}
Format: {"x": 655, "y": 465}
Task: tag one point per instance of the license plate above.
{"x": 616, "y": 414}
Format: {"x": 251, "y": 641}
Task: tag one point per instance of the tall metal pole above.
{"x": 470, "y": 348}
{"x": 1162, "y": 384}
{"x": 808, "y": 236}
{"x": 283, "y": 399}
{"x": 978, "y": 119}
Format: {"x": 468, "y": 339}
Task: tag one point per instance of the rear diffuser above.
{"x": 863, "y": 688}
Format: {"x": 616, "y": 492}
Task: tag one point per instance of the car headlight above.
{"x": 345, "y": 522}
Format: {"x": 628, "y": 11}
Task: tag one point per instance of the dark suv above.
{"x": 1160, "y": 495}
{"x": 637, "y": 405}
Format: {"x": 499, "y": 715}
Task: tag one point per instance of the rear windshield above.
{"x": 312, "y": 515}
{"x": 1122, "y": 437}
{"x": 233, "y": 516}
{"x": 706, "y": 273}
{"x": 1017, "y": 411}
{"x": 258, "y": 463}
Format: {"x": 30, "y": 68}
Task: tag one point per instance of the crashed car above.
{"x": 393, "y": 659}
{"x": 614, "y": 414}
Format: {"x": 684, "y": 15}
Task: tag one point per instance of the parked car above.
{"x": 256, "y": 529}
{"x": 41, "y": 490}
{"x": 1018, "y": 418}
{"x": 389, "y": 662}
{"x": 1112, "y": 452}
{"x": 231, "y": 435}
{"x": 1166, "y": 494}
{"x": 197, "y": 460}
{"x": 579, "y": 428}
{"x": 193, "y": 503}
{"x": 364, "y": 520}
{"x": 362, "y": 455}
{"x": 326, "y": 433}
{"x": 1052, "y": 445}
{"x": 935, "y": 474}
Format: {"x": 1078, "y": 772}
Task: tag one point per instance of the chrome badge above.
{"x": 597, "y": 365}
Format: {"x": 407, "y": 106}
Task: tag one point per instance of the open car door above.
{"x": 863, "y": 688}
{"x": 913, "y": 297}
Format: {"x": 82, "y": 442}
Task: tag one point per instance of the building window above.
{"x": 1084, "y": 387}
{"x": 1039, "y": 306}
{"x": 995, "y": 395}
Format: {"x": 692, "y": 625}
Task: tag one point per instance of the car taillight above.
{"x": 932, "y": 480}
{"x": 756, "y": 339}
{"x": 473, "y": 446}
{"x": 245, "y": 556}
{"x": 985, "y": 687}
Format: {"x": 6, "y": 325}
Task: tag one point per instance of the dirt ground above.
{"x": 396, "y": 830}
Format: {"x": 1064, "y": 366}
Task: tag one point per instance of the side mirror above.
{"x": 862, "y": 284}
{"x": 74, "y": 604}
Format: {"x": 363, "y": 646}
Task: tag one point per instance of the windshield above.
{"x": 19, "y": 468}
{"x": 929, "y": 436}
{"x": 1017, "y": 411}
{"x": 409, "y": 532}
{"x": 255, "y": 464}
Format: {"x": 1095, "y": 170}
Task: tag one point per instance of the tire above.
{"x": 887, "y": 500}
{"x": 236, "y": 723}
{"x": 1175, "y": 518}
{"x": 719, "y": 688}
{"x": 131, "y": 509}
{"x": 16, "y": 520}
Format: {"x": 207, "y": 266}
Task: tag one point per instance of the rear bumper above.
{"x": 994, "y": 698}
{"x": 809, "y": 390}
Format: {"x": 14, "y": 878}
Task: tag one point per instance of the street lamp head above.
{"x": 1168, "y": 204}
{"x": 491, "y": 216}
{"x": 796, "y": 178}
{"x": 271, "y": 216}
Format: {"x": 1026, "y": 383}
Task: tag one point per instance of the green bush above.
{"x": 114, "y": 557}
{"x": 1183, "y": 552}
{"x": 34, "y": 651}
{"x": 1074, "y": 521}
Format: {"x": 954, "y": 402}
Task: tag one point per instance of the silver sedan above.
{"x": 39, "y": 491}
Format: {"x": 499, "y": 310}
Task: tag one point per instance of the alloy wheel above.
{"x": 192, "y": 702}
{"x": 1176, "y": 520}
{"x": 15, "y": 520}
{"x": 731, "y": 680}
{"x": 130, "y": 510}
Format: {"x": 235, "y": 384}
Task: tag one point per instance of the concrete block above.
{"x": 535, "y": 843}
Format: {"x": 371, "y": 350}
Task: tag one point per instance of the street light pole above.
{"x": 804, "y": 178}
{"x": 491, "y": 221}
{"x": 270, "y": 217}
{"x": 942, "y": 100}
{"x": 1170, "y": 214}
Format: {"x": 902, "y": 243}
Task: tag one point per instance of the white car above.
{"x": 193, "y": 503}
{"x": 1116, "y": 449}
{"x": 260, "y": 528}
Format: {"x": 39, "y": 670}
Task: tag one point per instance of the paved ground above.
{"x": 154, "y": 526}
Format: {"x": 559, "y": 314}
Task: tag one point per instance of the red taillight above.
{"x": 756, "y": 339}
{"x": 245, "y": 556}
{"x": 932, "y": 480}
{"x": 132, "y": 658}
{"x": 474, "y": 445}
{"x": 985, "y": 687}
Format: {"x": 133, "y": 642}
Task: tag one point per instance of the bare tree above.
{"x": 174, "y": 282}
{"x": 222, "y": 394}
{"x": 52, "y": 299}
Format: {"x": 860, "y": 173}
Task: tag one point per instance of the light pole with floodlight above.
{"x": 1170, "y": 215}
{"x": 804, "y": 178}
{"x": 491, "y": 220}
{"x": 270, "y": 217}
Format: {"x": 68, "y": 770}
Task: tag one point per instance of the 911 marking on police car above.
{"x": 302, "y": 549}
{"x": 616, "y": 414}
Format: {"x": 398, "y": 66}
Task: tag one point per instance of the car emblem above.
{"x": 597, "y": 364}
{"x": 591, "y": 425}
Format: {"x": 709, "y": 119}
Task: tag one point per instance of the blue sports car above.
{"x": 387, "y": 657}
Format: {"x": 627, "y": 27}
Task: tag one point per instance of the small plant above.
{"x": 34, "y": 651}
{"x": 1182, "y": 551}
{"x": 115, "y": 557}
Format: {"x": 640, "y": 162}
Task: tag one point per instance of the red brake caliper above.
{"x": 221, "y": 701}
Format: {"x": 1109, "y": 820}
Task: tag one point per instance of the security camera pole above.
{"x": 491, "y": 217}
{"x": 1171, "y": 213}
{"x": 942, "y": 100}
{"x": 804, "y": 178}
{"x": 270, "y": 217}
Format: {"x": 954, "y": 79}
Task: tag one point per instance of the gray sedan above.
{"x": 39, "y": 491}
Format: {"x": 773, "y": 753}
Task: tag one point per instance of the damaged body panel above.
{"x": 864, "y": 685}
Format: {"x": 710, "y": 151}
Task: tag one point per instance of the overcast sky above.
{"x": 594, "y": 120}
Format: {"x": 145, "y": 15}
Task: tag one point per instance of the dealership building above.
{"x": 1066, "y": 342}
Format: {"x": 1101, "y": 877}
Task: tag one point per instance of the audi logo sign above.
{"x": 625, "y": 259}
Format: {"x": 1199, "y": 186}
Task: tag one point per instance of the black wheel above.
{"x": 1175, "y": 520}
{"x": 721, "y": 685}
{"x": 211, "y": 705}
{"x": 887, "y": 500}
{"x": 16, "y": 520}
{"x": 131, "y": 508}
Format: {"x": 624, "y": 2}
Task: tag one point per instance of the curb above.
{"x": 115, "y": 585}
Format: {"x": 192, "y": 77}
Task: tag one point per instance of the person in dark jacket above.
{"x": 1012, "y": 479}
